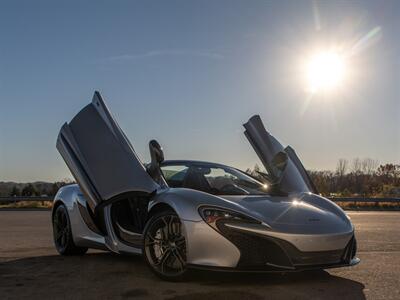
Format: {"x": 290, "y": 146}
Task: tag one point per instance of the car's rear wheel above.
{"x": 164, "y": 246}
{"x": 62, "y": 233}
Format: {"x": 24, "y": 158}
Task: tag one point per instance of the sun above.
{"x": 325, "y": 71}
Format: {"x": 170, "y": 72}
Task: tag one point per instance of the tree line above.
{"x": 358, "y": 177}
{"x": 38, "y": 189}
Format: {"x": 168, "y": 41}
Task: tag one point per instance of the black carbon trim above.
{"x": 350, "y": 250}
{"x": 300, "y": 258}
{"x": 256, "y": 252}
{"x": 88, "y": 219}
{"x": 259, "y": 252}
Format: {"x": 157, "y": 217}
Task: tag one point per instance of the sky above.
{"x": 190, "y": 73}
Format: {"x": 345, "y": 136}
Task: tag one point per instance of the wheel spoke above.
{"x": 165, "y": 259}
{"x": 179, "y": 258}
{"x": 164, "y": 229}
{"x": 155, "y": 242}
{"x": 154, "y": 239}
{"x": 180, "y": 241}
{"x": 170, "y": 226}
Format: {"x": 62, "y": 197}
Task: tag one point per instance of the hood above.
{"x": 303, "y": 213}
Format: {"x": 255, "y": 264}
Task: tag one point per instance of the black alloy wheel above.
{"x": 62, "y": 233}
{"x": 164, "y": 246}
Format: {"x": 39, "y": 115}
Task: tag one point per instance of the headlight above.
{"x": 215, "y": 216}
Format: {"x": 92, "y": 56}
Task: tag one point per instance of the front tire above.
{"x": 62, "y": 233}
{"x": 164, "y": 246}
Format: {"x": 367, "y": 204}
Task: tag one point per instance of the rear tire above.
{"x": 62, "y": 233}
{"x": 164, "y": 246}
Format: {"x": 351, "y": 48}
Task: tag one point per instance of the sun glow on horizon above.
{"x": 325, "y": 71}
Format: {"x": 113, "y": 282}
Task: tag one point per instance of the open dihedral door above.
{"x": 100, "y": 157}
{"x": 294, "y": 177}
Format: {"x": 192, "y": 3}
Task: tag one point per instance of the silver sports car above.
{"x": 189, "y": 214}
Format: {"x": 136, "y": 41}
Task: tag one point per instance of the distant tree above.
{"x": 58, "y": 184}
{"x": 29, "y": 190}
{"x": 255, "y": 172}
{"x": 341, "y": 170}
{"x": 369, "y": 166}
{"x": 341, "y": 167}
{"x": 15, "y": 191}
{"x": 356, "y": 166}
{"x": 360, "y": 177}
{"x": 389, "y": 170}
{"x": 44, "y": 191}
{"x": 54, "y": 189}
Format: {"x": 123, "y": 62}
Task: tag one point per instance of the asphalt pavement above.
{"x": 31, "y": 268}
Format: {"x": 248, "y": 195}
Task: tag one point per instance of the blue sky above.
{"x": 190, "y": 73}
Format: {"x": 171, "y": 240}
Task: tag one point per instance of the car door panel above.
{"x": 100, "y": 156}
{"x": 267, "y": 147}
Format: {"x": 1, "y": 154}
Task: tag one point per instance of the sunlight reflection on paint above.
{"x": 296, "y": 202}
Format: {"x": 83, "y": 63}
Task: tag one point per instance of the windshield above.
{"x": 213, "y": 179}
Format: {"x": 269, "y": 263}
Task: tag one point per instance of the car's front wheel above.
{"x": 62, "y": 233}
{"x": 164, "y": 246}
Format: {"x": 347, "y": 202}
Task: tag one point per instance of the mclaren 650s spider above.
{"x": 183, "y": 214}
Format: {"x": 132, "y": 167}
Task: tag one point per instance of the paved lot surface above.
{"x": 30, "y": 268}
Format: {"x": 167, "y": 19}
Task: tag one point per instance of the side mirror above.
{"x": 279, "y": 163}
{"x": 156, "y": 152}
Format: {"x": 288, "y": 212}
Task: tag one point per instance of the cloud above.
{"x": 166, "y": 52}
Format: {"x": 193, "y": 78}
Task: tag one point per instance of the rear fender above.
{"x": 70, "y": 196}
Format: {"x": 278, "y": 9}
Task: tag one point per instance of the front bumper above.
{"x": 237, "y": 250}
{"x": 269, "y": 253}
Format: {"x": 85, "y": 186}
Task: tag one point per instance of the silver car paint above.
{"x": 70, "y": 195}
{"x": 209, "y": 248}
{"x": 296, "y": 214}
{"x": 220, "y": 252}
{"x": 309, "y": 222}
{"x": 287, "y": 221}
{"x": 100, "y": 156}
